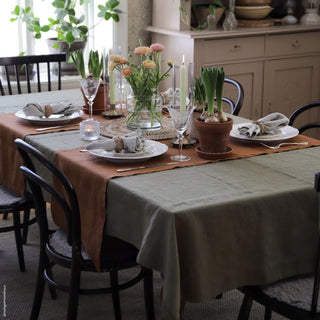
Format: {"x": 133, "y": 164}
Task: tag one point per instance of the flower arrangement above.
{"x": 143, "y": 77}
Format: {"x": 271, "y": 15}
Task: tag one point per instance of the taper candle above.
{"x": 183, "y": 86}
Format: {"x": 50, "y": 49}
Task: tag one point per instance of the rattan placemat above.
{"x": 118, "y": 127}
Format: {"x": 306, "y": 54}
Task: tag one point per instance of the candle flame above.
{"x": 183, "y": 59}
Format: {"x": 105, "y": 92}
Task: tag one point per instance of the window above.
{"x": 20, "y": 40}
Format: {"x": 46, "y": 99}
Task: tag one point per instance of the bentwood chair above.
{"x": 237, "y": 104}
{"x": 295, "y": 298}
{"x": 302, "y": 110}
{"x": 11, "y": 202}
{"x": 59, "y": 247}
{"x": 26, "y": 63}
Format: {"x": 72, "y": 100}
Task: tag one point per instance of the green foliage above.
{"x": 78, "y": 60}
{"x": 209, "y": 77}
{"x": 66, "y": 23}
{"x": 213, "y": 79}
{"x": 219, "y": 89}
{"x": 95, "y": 63}
{"x": 199, "y": 92}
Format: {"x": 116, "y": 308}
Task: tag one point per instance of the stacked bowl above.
{"x": 252, "y": 9}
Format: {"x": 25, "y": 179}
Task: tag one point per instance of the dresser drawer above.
{"x": 291, "y": 44}
{"x": 213, "y": 51}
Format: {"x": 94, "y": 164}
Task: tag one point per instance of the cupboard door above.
{"x": 291, "y": 83}
{"x": 250, "y": 76}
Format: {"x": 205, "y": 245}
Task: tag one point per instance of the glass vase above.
{"x": 144, "y": 112}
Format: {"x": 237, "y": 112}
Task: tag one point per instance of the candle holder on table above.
{"x": 90, "y": 128}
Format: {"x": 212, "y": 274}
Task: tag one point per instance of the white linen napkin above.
{"x": 270, "y": 124}
{"x": 131, "y": 142}
{"x": 37, "y": 110}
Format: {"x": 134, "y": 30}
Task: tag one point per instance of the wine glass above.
{"x": 90, "y": 128}
{"x": 180, "y": 119}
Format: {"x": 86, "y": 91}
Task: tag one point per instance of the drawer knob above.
{"x": 236, "y": 47}
{"x": 296, "y": 44}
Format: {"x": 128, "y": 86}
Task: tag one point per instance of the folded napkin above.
{"x": 131, "y": 142}
{"x": 37, "y": 110}
{"x": 270, "y": 124}
{"x": 167, "y": 96}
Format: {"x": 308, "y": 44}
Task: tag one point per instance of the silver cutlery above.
{"x": 274, "y": 147}
{"x": 147, "y": 166}
{"x": 56, "y": 127}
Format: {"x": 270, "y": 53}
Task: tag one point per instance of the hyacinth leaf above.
{"x": 219, "y": 89}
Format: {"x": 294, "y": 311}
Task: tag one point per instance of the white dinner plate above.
{"x": 285, "y": 133}
{"x": 54, "y": 119}
{"x": 152, "y": 149}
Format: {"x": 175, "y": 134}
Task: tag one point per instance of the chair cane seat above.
{"x": 296, "y": 292}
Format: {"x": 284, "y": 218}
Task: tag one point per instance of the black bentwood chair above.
{"x": 65, "y": 249}
{"x": 295, "y": 298}
{"x": 11, "y": 202}
{"x": 235, "y": 106}
{"x": 19, "y": 63}
{"x": 302, "y": 110}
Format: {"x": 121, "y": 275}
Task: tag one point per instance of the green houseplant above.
{"x": 213, "y": 126}
{"x": 69, "y": 25}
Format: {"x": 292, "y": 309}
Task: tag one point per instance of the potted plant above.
{"x": 71, "y": 30}
{"x": 213, "y": 125}
{"x": 95, "y": 69}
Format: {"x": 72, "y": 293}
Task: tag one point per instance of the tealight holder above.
{"x": 89, "y": 129}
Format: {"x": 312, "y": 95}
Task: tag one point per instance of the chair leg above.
{"x": 267, "y": 313}
{"x": 5, "y": 216}
{"x": 52, "y": 290}
{"x": 245, "y": 308}
{"x": 38, "y": 295}
{"x": 148, "y": 293}
{"x": 74, "y": 292}
{"x": 26, "y": 216}
{"x": 115, "y": 294}
{"x": 17, "y": 233}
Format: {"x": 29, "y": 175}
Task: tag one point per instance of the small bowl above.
{"x": 252, "y": 12}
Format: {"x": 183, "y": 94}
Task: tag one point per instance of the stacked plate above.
{"x": 252, "y": 9}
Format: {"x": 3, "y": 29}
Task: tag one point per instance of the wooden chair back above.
{"x": 26, "y": 63}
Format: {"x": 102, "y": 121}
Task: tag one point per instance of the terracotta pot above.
{"x": 98, "y": 102}
{"x": 213, "y": 136}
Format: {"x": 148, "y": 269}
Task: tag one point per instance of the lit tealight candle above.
{"x": 183, "y": 86}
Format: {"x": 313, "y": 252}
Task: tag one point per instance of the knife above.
{"x": 147, "y": 166}
{"x": 56, "y": 127}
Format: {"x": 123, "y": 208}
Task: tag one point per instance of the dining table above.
{"x": 208, "y": 225}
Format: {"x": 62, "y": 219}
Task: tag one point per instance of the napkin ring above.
{"x": 119, "y": 144}
{"x": 261, "y": 125}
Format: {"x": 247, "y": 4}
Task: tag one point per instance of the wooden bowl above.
{"x": 252, "y": 12}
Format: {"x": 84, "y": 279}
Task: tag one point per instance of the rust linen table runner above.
{"x": 90, "y": 175}
{"x": 11, "y": 128}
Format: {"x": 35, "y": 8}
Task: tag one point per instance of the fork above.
{"x": 283, "y": 144}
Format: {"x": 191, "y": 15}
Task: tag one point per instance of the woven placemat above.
{"x": 118, "y": 127}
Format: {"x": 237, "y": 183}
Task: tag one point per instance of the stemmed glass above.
{"x": 180, "y": 119}
{"x": 90, "y": 128}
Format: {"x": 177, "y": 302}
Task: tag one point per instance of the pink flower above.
{"x": 115, "y": 58}
{"x": 126, "y": 71}
{"x": 149, "y": 64}
{"x": 112, "y": 66}
{"x": 141, "y": 50}
{"x": 156, "y": 47}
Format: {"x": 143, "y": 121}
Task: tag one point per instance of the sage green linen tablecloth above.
{"x": 219, "y": 226}
{"x": 214, "y": 227}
